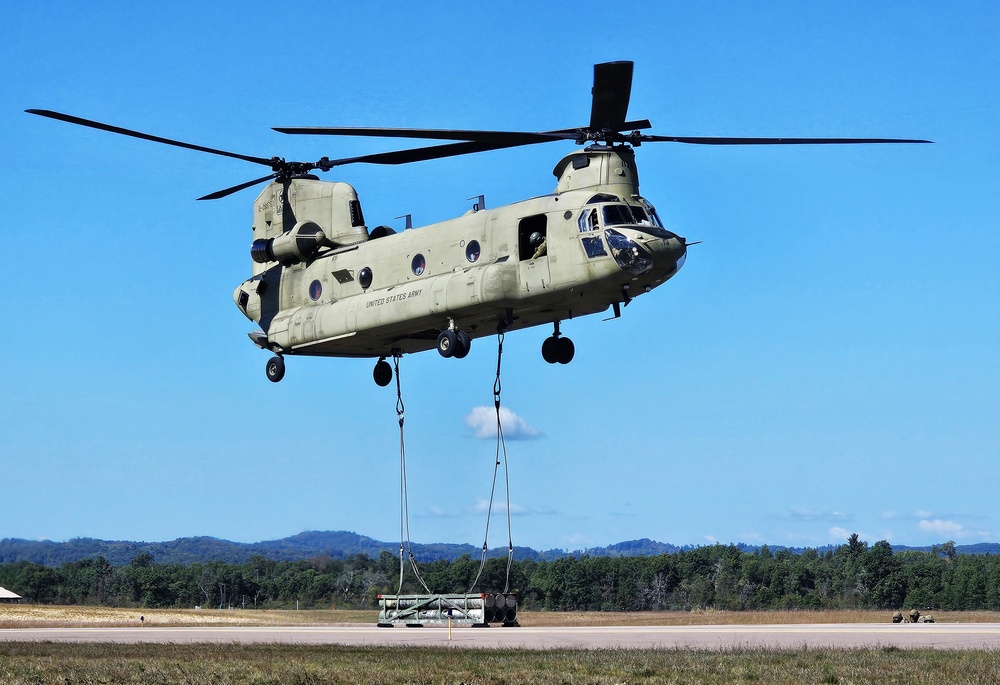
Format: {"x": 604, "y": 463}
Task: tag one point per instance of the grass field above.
{"x": 42, "y": 663}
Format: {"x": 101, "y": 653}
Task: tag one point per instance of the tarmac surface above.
{"x": 833, "y": 635}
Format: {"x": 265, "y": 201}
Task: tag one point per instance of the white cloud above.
{"x": 941, "y": 527}
{"x": 577, "y": 540}
{"x": 841, "y": 534}
{"x": 898, "y": 516}
{"x": 500, "y": 506}
{"x": 483, "y": 422}
{"x": 799, "y": 514}
{"x": 437, "y": 511}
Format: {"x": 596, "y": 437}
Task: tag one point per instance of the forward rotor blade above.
{"x": 235, "y": 189}
{"x": 68, "y": 118}
{"x": 710, "y": 140}
{"x": 503, "y": 137}
{"x": 432, "y": 152}
{"x": 611, "y": 93}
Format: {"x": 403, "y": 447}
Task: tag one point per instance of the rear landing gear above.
{"x": 453, "y": 343}
{"x": 275, "y": 369}
{"x": 557, "y": 349}
{"x": 382, "y": 373}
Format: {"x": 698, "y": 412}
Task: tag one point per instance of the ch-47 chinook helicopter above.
{"x": 323, "y": 284}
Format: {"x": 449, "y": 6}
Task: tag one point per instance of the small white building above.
{"x": 8, "y": 597}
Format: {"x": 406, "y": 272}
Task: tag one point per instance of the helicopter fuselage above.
{"x": 324, "y": 285}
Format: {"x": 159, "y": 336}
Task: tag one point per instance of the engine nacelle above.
{"x": 297, "y": 245}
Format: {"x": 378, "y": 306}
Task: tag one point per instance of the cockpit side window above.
{"x": 588, "y": 220}
{"x": 651, "y": 211}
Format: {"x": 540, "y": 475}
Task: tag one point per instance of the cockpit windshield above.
{"x": 619, "y": 214}
{"x": 625, "y": 215}
{"x": 613, "y": 211}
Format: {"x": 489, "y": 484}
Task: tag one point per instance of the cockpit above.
{"x": 633, "y": 233}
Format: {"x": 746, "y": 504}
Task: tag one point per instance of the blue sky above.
{"x": 825, "y": 363}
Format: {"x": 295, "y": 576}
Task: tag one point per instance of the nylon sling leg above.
{"x": 404, "y": 504}
{"x": 500, "y": 451}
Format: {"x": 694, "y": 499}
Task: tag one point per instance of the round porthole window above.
{"x": 365, "y": 278}
{"x": 472, "y": 250}
{"x": 315, "y": 290}
{"x": 418, "y": 264}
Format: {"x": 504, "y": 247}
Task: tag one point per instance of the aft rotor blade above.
{"x": 235, "y": 189}
{"x": 145, "y": 136}
{"x": 710, "y": 140}
{"x": 611, "y": 93}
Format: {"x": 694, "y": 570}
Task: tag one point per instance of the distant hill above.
{"x": 335, "y": 544}
{"x": 306, "y": 545}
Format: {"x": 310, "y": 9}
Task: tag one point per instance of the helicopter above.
{"x": 324, "y": 284}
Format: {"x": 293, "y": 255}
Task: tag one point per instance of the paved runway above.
{"x": 839, "y": 635}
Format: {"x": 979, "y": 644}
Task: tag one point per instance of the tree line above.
{"x": 723, "y": 577}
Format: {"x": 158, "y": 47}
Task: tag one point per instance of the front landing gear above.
{"x": 275, "y": 369}
{"x": 557, "y": 349}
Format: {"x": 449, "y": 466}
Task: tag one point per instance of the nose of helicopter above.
{"x": 669, "y": 251}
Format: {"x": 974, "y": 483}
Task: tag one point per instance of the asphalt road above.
{"x": 839, "y": 635}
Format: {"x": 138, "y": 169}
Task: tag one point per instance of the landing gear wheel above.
{"x": 550, "y": 349}
{"x": 463, "y": 343}
{"x": 565, "y": 349}
{"x": 382, "y": 373}
{"x": 275, "y": 369}
{"x": 558, "y": 350}
{"x": 447, "y": 343}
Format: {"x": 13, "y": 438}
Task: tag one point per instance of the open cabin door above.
{"x": 532, "y": 248}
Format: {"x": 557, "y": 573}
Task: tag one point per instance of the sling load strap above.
{"x": 404, "y": 504}
{"x": 501, "y": 450}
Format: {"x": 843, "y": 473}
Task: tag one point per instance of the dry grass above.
{"x": 45, "y": 616}
{"x": 30, "y": 616}
{"x": 41, "y": 663}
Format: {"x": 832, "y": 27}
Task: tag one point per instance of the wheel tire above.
{"x": 463, "y": 343}
{"x": 382, "y": 373}
{"x": 275, "y": 369}
{"x": 446, "y": 343}
{"x": 550, "y": 349}
{"x": 565, "y": 350}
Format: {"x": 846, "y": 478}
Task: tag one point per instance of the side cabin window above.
{"x": 531, "y": 237}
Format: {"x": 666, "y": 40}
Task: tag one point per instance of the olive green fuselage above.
{"x": 325, "y": 285}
